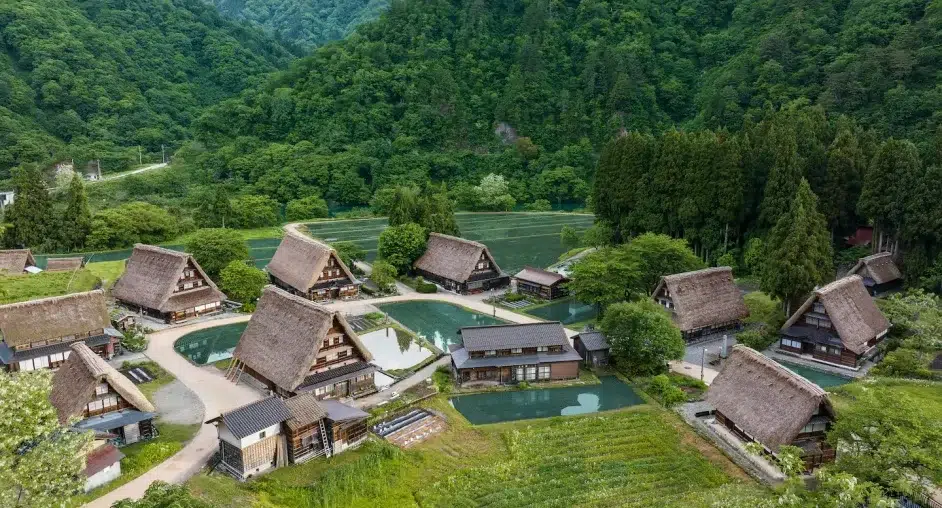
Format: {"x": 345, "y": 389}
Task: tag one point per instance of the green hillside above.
{"x": 87, "y": 79}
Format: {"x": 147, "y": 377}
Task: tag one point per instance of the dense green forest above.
{"x": 90, "y": 79}
{"x": 305, "y": 22}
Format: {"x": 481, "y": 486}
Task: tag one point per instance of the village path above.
{"x": 214, "y": 391}
{"x": 129, "y": 173}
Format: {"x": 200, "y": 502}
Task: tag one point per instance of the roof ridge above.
{"x": 16, "y": 250}
{"x": 459, "y": 239}
{"x": 48, "y": 299}
{"x": 778, "y": 367}
{"x": 877, "y": 255}
{"x": 243, "y": 406}
{"x": 163, "y": 250}
{"x": 308, "y": 239}
{"x": 508, "y": 325}
{"x": 711, "y": 269}
{"x": 838, "y": 284}
{"x": 297, "y": 299}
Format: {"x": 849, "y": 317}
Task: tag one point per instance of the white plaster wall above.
{"x": 104, "y": 476}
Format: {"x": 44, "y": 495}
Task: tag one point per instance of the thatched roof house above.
{"x": 64, "y": 264}
{"x": 755, "y": 396}
{"x": 307, "y": 267}
{"x": 293, "y": 344}
{"x": 75, "y": 384}
{"x": 16, "y": 261}
{"x": 839, "y": 323}
{"x": 539, "y": 282}
{"x": 878, "y": 271}
{"x": 166, "y": 284}
{"x": 459, "y": 265}
{"x": 52, "y": 324}
{"x": 702, "y": 301}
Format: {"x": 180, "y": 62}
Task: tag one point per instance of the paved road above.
{"x": 214, "y": 391}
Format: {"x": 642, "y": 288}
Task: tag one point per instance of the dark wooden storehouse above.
{"x": 16, "y": 262}
{"x": 275, "y": 432}
{"x": 167, "y": 285}
{"x": 592, "y": 347}
{"x": 105, "y": 400}
{"x": 308, "y": 268}
{"x": 540, "y": 283}
{"x": 757, "y": 399}
{"x": 839, "y": 324}
{"x": 460, "y": 265}
{"x": 293, "y": 345}
{"x": 65, "y": 264}
{"x": 38, "y": 334}
{"x": 702, "y": 302}
{"x": 879, "y": 273}
{"x": 506, "y": 354}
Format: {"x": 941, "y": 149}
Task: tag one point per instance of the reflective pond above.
{"x": 210, "y": 344}
{"x": 438, "y": 322}
{"x": 482, "y": 408}
{"x": 822, "y": 379}
{"x": 565, "y": 311}
{"x": 392, "y": 352}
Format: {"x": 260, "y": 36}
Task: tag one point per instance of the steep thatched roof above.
{"x": 73, "y": 385}
{"x": 304, "y": 410}
{"x": 285, "y": 334}
{"x": 704, "y": 298}
{"x": 452, "y": 257}
{"x": 539, "y": 276}
{"x": 151, "y": 276}
{"x": 53, "y": 317}
{"x": 851, "y": 310}
{"x": 300, "y": 260}
{"x": 768, "y": 401}
{"x": 14, "y": 262}
{"x": 880, "y": 268}
{"x": 64, "y": 264}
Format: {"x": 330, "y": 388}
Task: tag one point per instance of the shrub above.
{"x": 384, "y": 276}
{"x": 425, "y": 287}
{"x": 401, "y": 245}
{"x": 311, "y": 207}
{"x": 442, "y": 379}
{"x": 666, "y": 391}
{"x": 514, "y": 297}
{"x": 134, "y": 341}
{"x": 540, "y": 205}
{"x": 756, "y": 339}
{"x": 374, "y": 316}
{"x": 905, "y": 362}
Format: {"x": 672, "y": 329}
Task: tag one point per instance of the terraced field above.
{"x": 515, "y": 239}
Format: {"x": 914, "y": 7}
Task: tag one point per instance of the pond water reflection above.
{"x": 210, "y": 344}
{"x": 566, "y": 312}
{"x": 482, "y": 408}
{"x": 438, "y": 322}
{"x": 389, "y": 352}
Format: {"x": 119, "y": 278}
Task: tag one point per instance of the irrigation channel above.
{"x": 495, "y": 407}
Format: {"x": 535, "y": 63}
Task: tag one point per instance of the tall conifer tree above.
{"x": 888, "y": 186}
{"x": 784, "y": 174}
{"x": 76, "y": 223}
{"x": 29, "y": 215}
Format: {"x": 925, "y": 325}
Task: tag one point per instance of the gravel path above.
{"x": 178, "y": 404}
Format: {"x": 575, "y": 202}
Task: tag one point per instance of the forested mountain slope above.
{"x": 305, "y": 22}
{"x": 442, "y": 84}
{"x": 99, "y": 75}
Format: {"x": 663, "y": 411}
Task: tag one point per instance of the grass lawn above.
{"x": 927, "y": 393}
{"x": 247, "y": 234}
{"x": 107, "y": 271}
{"x": 142, "y": 457}
{"x": 642, "y": 456}
{"x": 19, "y": 288}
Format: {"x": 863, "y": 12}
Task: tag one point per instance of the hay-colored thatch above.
{"x": 73, "y": 385}
{"x": 879, "y": 267}
{"x": 53, "y": 317}
{"x": 539, "y": 276}
{"x": 14, "y": 262}
{"x": 305, "y": 410}
{"x": 151, "y": 276}
{"x": 855, "y": 316}
{"x": 285, "y": 334}
{"x": 300, "y": 260}
{"x": 64, "y": 264}
{"x": 453, "y": 258}
{"x": 766, "y": 400}
{"x": 704, "y": 298}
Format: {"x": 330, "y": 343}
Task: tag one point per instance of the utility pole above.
{"x": 140, "y": 158}
{"x": 163, "y": 156}
{"x": 702, "y": 358}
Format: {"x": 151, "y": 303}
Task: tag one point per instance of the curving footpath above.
{"x": 214, "y": 391}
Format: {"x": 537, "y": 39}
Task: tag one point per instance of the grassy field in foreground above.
{"x": 643, "y": 456}
{"x": 18, "y": 288}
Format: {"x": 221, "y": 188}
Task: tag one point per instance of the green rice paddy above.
{"x": 515, "y": 239}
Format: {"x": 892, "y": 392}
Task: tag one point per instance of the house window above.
{"x": 542, "y": 349}
{"x": 41, "y": 363}
{"x": 336, "y": 340}
{"x": 516, "y": 351}
{"x": 531, "y": 372}
{"x": 823, "y": 349}
{"x": 791, "y": 343}
{"x": 261, "y": 435}
{"x": 544, "y": 372}
{"x": 101, "y": 389}
{"x": 490, "y": 353}
{"x": 519, "y": 373}
{"x": 321, "y": 360}
{"x": 26, "y": 365}
{"x": 95, "y": 405}
{"x": 320, "y": 391}
{"x": 342, "y": 354}
{"x": 56, "y": 359}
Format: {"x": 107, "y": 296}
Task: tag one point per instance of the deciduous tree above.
{"x": 216, "y": 248}
{"x": 401, "y": 245}
{"x": 242, "y": 283}
{"x": 642, "y": 336}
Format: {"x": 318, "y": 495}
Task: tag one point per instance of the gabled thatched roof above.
{"x": 452, "y": 257}
{"x": 53, "y": 317}
{"x": 14, "y": 262}
{"x": 64, "y": 264}
{"x": 704, "y": 298}
{"x": 766, "y": 400}
{"x": 880, "y": 266}
{"x": 539, "y": 276}
{"x": 151, "y": 276}
{"x": 855, "y": 316}
{"x": 300, "y": 260}
{"x": 285, "y": 334}
{"x": 73, "y": 385}
{"x": 304, "y": 410}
